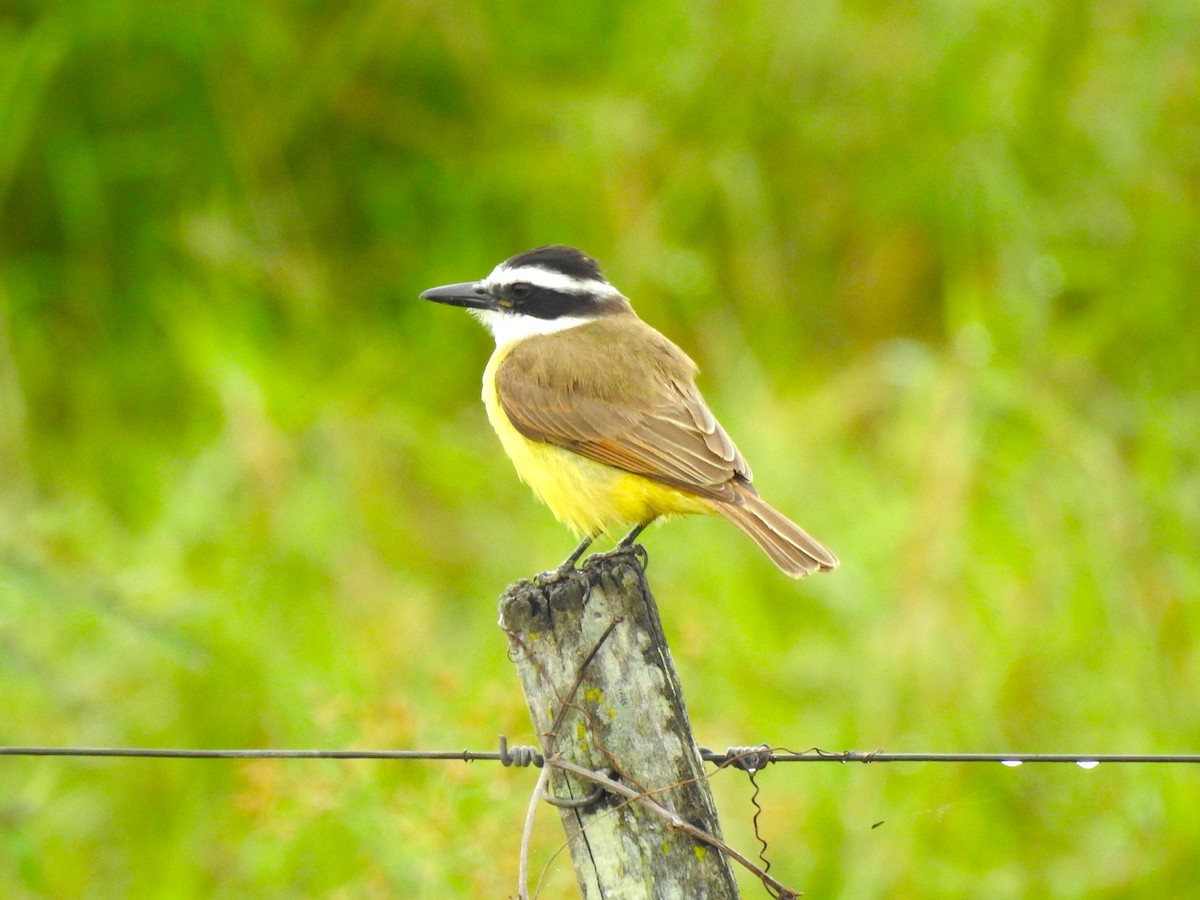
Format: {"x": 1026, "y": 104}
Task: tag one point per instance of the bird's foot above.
{"x": 567, "y": 571}
{"x": 626, "y": 546}
{"x": 637, "y": 551}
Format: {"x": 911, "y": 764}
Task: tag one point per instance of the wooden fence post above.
{"x": 591, "y": 655}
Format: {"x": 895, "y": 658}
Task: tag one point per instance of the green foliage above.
{"x": 938, "y": 260}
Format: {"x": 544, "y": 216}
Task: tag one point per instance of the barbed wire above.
{"x": 744, "y": 757}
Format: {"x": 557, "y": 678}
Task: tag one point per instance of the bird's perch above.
{"x": 604, "y": 695}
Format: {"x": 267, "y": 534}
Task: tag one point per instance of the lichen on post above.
{"x": 603, "y": 693}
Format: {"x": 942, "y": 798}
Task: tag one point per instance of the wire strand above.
{"x": 188, "y": 753}
{"x": 1086, "y": 760}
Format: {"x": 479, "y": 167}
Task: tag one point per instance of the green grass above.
{"x": 938, "y": 262}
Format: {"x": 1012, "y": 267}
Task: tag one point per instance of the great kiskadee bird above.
{"x": 600, "y": 413}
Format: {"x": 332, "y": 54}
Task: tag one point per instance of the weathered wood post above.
{"x": 591, "y": 654}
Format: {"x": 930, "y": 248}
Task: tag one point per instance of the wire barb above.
{"x": 748, "y": 759}
{"x": 521, "y": 755}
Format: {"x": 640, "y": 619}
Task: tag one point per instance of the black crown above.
{"x": 559, "y": 258}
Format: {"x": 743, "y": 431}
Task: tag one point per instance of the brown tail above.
{"x": 788, "y": 545}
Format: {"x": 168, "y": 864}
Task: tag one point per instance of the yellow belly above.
{"x": 588, "y": 497}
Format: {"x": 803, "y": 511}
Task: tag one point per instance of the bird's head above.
{"x": 536, "y": 292}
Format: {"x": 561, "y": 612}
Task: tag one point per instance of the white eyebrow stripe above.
{"x": 543, "y": 278}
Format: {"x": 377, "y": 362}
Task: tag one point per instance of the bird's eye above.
{"x": 521, "y": 290}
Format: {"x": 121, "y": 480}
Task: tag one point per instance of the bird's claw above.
{"x": 637, "y": 551}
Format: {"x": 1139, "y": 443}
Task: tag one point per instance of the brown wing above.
{"x": 624, "y": 396}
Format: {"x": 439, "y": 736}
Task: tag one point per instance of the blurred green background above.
{"x": 938, "y": 261}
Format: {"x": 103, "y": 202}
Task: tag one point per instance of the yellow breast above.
{"x": 588, "y": 497}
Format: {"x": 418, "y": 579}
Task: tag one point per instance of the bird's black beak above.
{"x": 470, "y": 294}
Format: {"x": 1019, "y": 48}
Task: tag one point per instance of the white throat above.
{"x": 507, "y": 327}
